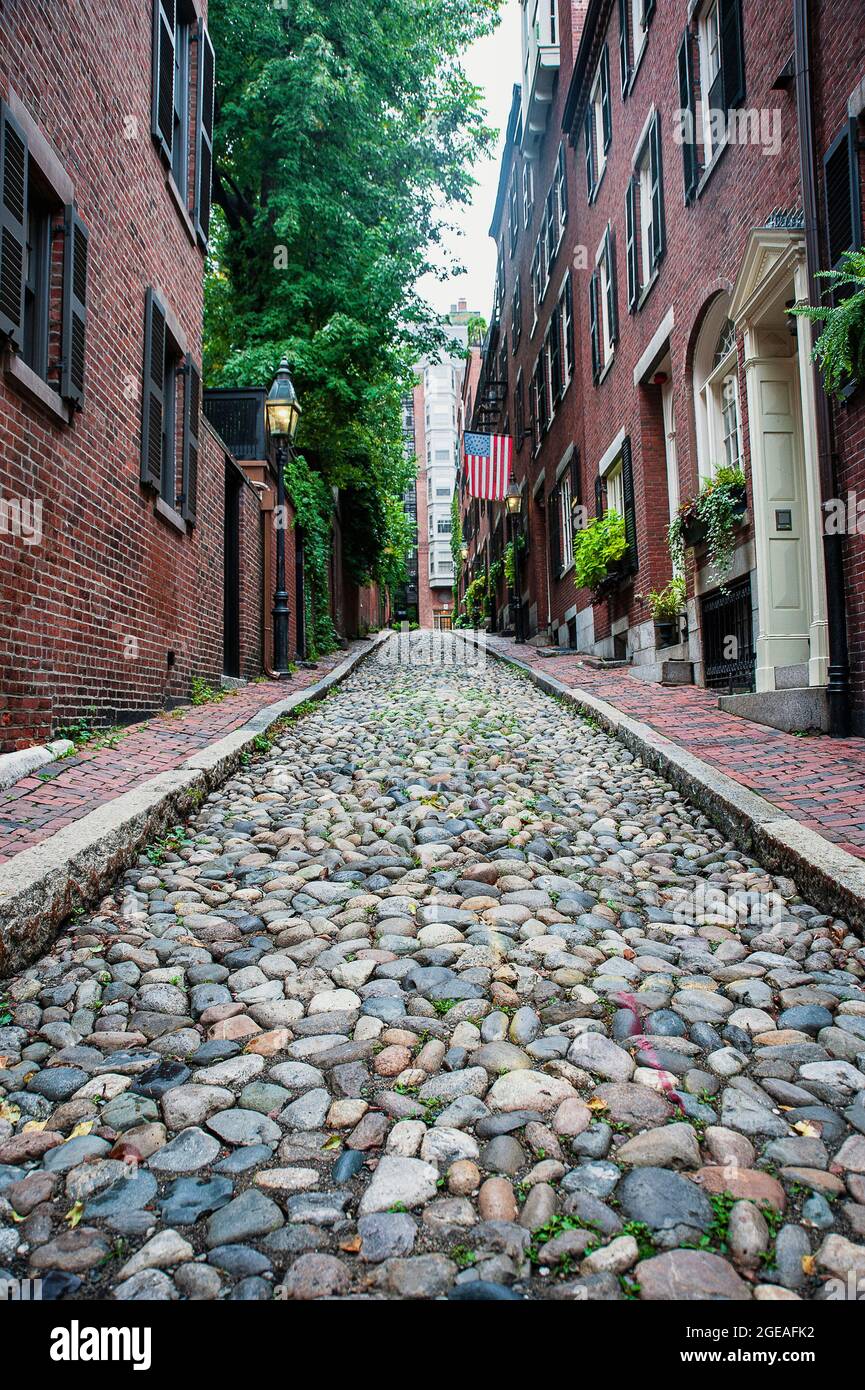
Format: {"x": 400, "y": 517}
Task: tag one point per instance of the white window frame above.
{"x": 566, "y": 530}
{"x": 614, "y": 484}
{"x": 602, "y": 263}
{"x": 528, "y": 194}
{"x": 567, "y": 374}
{"x": 597, "y": 105}
{"x": 639, "y": 34}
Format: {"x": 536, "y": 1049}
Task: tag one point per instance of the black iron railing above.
{"x": 729, "y": 656}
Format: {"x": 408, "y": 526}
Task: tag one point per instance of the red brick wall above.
{"x": 90, "y": 614}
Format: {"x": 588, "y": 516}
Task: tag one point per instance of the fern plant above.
{"x": 840, "y": 349}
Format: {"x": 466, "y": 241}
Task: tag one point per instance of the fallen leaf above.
{"x": 807, "y": 1129}
{"x": 351, "y": 1246}
{"x": 809, "y": 1265}
{"x": 34, "y": 1126}
{"x": 81, "y": 1129}
{"x": 74, "y": 1215}
{"x": 332, "y": 1143}
{"x": 9, "y": 1112}
{"x": 597, "y": 1104}
{"x": 3, "y": 1062}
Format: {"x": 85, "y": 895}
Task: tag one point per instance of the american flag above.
{"x": 488, "y": 465}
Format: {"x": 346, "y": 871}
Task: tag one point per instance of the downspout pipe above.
{"x": 833, "y": 545}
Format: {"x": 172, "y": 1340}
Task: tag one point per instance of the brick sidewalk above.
{"x": 64, "y": 791}
{"x": 816, "y": 780}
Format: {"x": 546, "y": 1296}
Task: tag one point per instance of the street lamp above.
{"x": 282, "y": 410}
{"x": 514, "y": 505}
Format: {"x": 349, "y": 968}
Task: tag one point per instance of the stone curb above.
{"x": 14, "y": 766}
{"x": 826, "y": 875}
{"x": 41, "y": 886}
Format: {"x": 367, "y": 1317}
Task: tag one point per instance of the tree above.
{"x": 345, "y": 132}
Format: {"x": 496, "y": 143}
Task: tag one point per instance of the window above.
{"x": 513, "y": 212}
{"x": 644, "y": 214}
{"x": 560, "y": 517}
{"x": 43, "y": 309}
{"x": 516, "y": 315}
{"x": 566, "y": 319}
{"x": 634, "y": 19}
{"x": 841, "y": 195}
{"x": 614, "y": 492}
{"x": 553, "y": 363}
{"x": 567, "y": 529}
{"x": 603, "y": 307}
{"x": 598, "y": 131}
{"x": 179, "y": 107}
{"x": 721, "y": 72}
{"x": 519, "y": 411}
{"x": 716, "y": 393}
{"x": 537, "y": 278}
{"x": 561, "y": 191}
{"x": 528, "y": 194}
{"x": 171, "y": 405}
{"x": 444, "y": 526}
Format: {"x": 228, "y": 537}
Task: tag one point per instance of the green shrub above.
{"x": 597, "y": 549}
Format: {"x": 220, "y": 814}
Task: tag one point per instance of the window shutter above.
{"x": 13, "y": 226}
{"x": 588, "y": 131}
{"x": 841, "y": 195}
{"x": 554, "y": 514}
{"x": 612, "y": 296}
{"x": 551, "y": 228}
{"x": 630, "y": 505}
{"x": 191, "y": 425}
{"x": 595, "y": 327}
{"x": 569, "y": 327}
{"x": 563, "y": 185}
{"x": 576, "y": 489}
{"x": 648, "y": 11}
{"x": 556, "y": 379}
{"x": 204, "y": 134}
{"x": 74, "y": 332}
{"x": 599, "y": 496}
{"x": 606, "y": 112}
{"x": 162, "y": 98}
{"x": 688, "y": 116}
{"x": 153, "y": 394}
{"x": 658, "y": 233}
{"x": 624, "y": 61}
{"x": 631, "y": 242}
{"x": 732, "y": 53}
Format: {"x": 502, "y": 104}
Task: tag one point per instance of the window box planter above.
{"x": 616, "y": 574}
{"x": 696, "y": 532}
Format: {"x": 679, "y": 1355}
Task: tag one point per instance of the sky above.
{"x": 493, "y": 64}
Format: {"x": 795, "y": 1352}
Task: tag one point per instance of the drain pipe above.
{"x": 833, "y": 545}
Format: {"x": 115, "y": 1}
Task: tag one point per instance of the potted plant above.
{"x": 840, "y": 349}
{"x": 600, "y": 549}
{"x": 711, "y": 519}
{"x": 476, "y": 602}
{"x": 666, "y": 606}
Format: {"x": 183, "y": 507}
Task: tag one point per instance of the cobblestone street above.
{"x": 443, "y": 995}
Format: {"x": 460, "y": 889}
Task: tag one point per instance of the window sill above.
{"x": 606, "y": 369}
{"x": 29, "y": 384}
{"x": 180, "y": 204}
{"x": 710, "y": 169}
{"x": 171, "y": 517}
{"x": 647, "y": 288}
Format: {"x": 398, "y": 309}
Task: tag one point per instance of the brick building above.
{"x": 131, "y": 544}
{"x": 673, "y": 177}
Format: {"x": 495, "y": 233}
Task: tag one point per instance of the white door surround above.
{"x": 791, "y": 582}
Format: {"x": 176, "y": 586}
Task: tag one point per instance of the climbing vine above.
{"x": 312, "y": 500}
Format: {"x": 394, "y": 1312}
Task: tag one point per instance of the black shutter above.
{"x": 612, "y": 294}
{"x": 658, "y": 234}
{"x": 732, "y": 53}
{"x": 606, "y": 112}
{"x": 624, "y": 62}
{"x": 556, "y": 379}
{"x": 204, "y": 134}
{"x": 191, "y": 426}
{"x": 554, "y": 526}
{"x": 688, "y": 117}
{"x": 13, "y": 226}
{"x": 631, "y": 242}
{"x": 563, "y": 185}
{"x": 595, "y": 326}
{"x": 576, "y": 489}
{"x": 630, "y": 505}
{"x": 599, "y": 496}
{"x": 841, "y": 195}
{"x": 153, "y": 394}
{"x": 648, "y": 11}
{"x": 588, "y": 131}
{"x": 569, "y": 327}
{"x": 551, "y": 229}
{"x": 74, "y": 338}
{"x": 162, "y": 98}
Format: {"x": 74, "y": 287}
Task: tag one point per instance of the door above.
{"x": 231, "y": 575}
{"x": 781, "y": 516}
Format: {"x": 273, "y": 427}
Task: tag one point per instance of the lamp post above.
{"x": 283, "y": 415}
{"x": 514, "y": 504}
